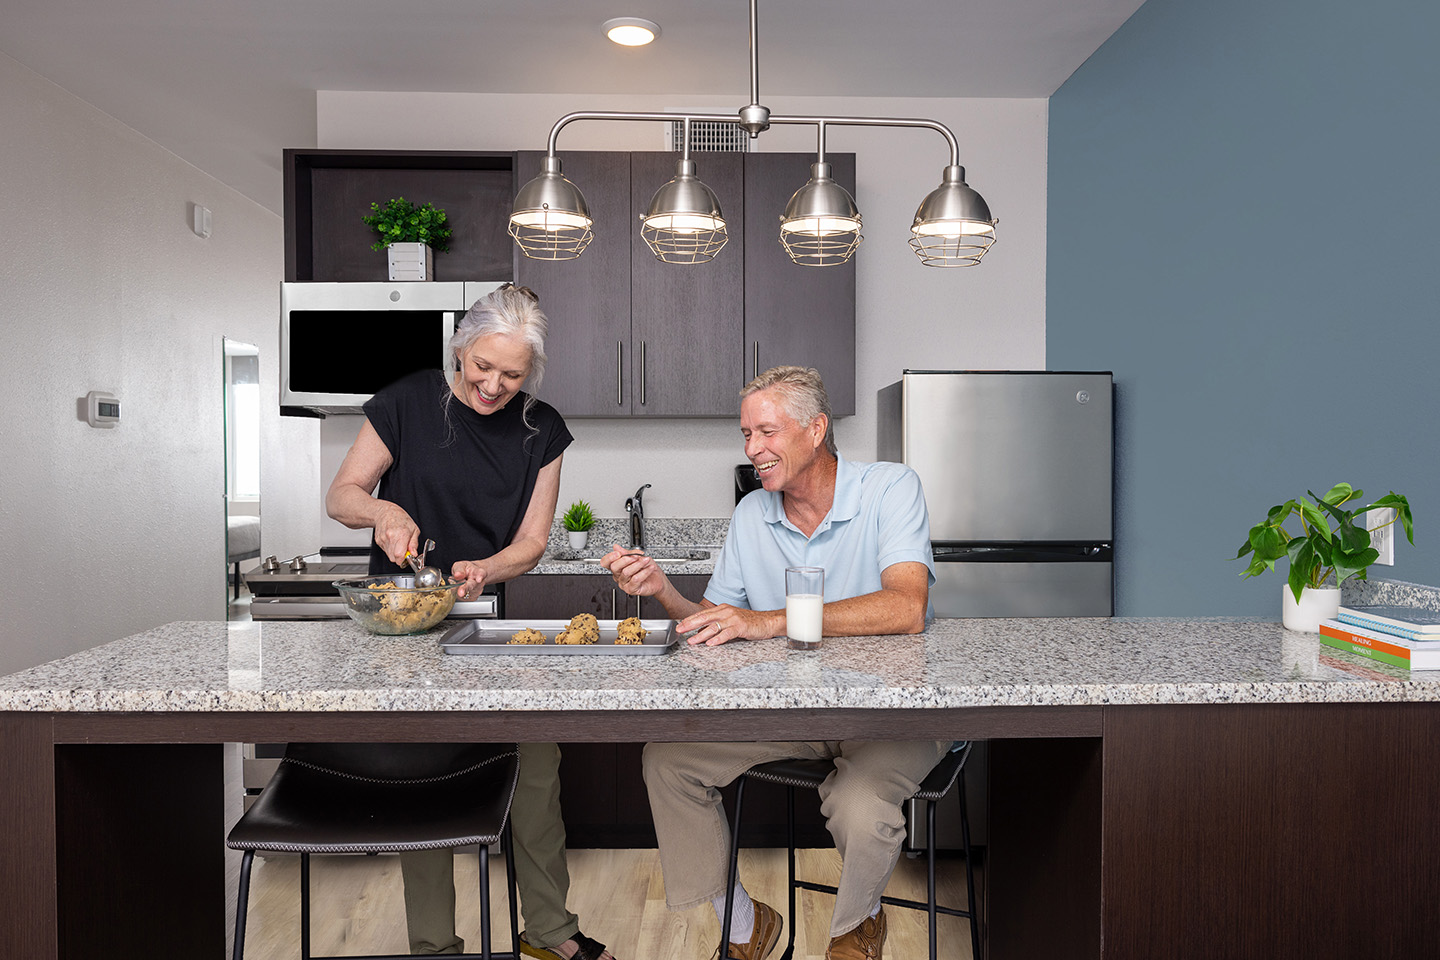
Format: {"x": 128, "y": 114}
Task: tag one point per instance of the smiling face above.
{"x": 782, "y": 450}
{"x": 491, "y": 372}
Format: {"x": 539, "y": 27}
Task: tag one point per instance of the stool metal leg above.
{"x": 969, "y": 870}
{"x": 733, "y": 870}
{"x": 930, "y": 869}
{"x": 507, "y": 842}
{"x": 790, "y": 843}
{"x": 304, "y": 906}
{"x": 242, "y": 904}
{"x": 484, "y": 902}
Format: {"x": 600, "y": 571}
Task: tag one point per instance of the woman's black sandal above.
{"x": 585, "y": 949}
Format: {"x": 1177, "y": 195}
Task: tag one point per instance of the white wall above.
{"x": 108, "y": 532}
{"x": 990, "y": 317}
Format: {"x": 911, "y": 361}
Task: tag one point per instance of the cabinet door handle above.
{"x": 757, "y": 360}
{"x": 619, "y": 373}
{"x": 642, "y": 373}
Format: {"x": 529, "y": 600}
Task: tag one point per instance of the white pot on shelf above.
{"x": 1316, "y": 604}
{"x": 411, "y": 261}
{"x": 578, "y": 538}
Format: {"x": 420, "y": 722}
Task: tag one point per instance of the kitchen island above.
{"x": 1158, "y": 787}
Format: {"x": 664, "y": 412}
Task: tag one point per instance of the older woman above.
{"x": 474, "y": 462}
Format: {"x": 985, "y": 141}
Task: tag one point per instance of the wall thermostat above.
{"x": 101, "y": 409}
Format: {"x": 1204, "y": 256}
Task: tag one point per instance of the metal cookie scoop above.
{"x": 425, "y": 577}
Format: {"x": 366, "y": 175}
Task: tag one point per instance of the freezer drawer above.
{"x": 1056, "y": 589}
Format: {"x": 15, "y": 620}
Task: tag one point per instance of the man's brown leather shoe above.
{"x": 865, "y": 942}
{"x": 762, "y": 940}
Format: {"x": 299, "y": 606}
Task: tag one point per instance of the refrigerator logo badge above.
{"x": 1083, "y": 396}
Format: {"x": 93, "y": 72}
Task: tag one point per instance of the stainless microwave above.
{"x": 341, "y": 342}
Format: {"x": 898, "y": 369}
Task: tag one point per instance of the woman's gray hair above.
{"x": 514, "y": 312}
{"x": 804, "y": 397}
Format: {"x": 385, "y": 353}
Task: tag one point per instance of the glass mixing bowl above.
{"x": 392, "y": 605}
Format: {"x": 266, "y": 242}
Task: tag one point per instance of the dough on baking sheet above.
{"x": 583, "y": 628}
{"x": 629, "y": 632}
{"x": 527, "y": 636}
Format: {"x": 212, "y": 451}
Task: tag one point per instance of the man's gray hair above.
{"x": 803, "y": 394}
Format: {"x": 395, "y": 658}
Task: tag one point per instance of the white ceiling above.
{"x": 227, "y": 84}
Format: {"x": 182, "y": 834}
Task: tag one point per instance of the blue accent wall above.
{"x": 1244, "y": 224}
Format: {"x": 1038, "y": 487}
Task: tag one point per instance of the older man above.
{"x": 866, "y": 524}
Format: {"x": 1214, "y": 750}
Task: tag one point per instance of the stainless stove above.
{"x": 300, "y": 588}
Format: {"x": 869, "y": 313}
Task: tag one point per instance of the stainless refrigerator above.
{"x": 1017, "y": 468}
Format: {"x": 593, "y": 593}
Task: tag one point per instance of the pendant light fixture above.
{"x": 683, "y": 223}
{"x": 820, "y": 225}
{"x": 550, "y": 219}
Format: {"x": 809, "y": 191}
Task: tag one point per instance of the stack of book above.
{"x": 1401, "y": 636}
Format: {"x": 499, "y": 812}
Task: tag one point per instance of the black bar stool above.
{"x": 383, "y": 798}
{"x": 810, "y": 774}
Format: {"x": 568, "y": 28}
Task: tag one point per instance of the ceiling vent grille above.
{"x": 708, "y": 136}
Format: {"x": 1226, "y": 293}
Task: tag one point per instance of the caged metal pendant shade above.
{"x": 550, "y": 219}
{"x": 953, "y": 227}
{"x": 683, "y": 223}
{"x": 821, "y": 224}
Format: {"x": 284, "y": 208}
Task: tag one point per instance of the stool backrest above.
{"x": 396, "y": 761}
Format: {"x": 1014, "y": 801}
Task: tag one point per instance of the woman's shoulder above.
{"x": 541, "y": 413}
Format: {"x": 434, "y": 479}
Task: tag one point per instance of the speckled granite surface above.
{"x": 661, "y": 533}
{"x": 335, "y": 666}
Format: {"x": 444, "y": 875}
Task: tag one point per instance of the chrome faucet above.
{"x": 636, "y": 509}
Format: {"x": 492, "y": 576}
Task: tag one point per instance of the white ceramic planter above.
{"x": 1314, "y": 606}
{"x": 578, "y": 538}
{"x": 411, "y": 261}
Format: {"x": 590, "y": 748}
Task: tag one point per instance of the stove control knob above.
{"x": 297, "y": 564}
{"x": 270, "y": 564}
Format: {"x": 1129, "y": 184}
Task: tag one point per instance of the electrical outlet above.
{"x": 1381, "y": 524}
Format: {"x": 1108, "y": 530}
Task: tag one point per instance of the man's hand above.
{"x": 634, "y": 572}
{"x": 723, "y": 623}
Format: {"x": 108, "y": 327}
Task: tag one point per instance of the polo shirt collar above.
{"x": 846, "y": 505}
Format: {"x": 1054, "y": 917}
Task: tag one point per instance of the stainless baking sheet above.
{"x": 492, "y": 637}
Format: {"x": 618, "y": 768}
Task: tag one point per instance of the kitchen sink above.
{"x": 659, "y": 554}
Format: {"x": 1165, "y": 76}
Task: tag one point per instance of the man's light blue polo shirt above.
{"x": 878, "y": 518}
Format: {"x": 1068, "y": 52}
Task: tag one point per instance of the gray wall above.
{"x": 1243, "y": 226}
{"x": 106, "y": 288}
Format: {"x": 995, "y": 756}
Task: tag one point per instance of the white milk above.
{"x": 804, "y": 615}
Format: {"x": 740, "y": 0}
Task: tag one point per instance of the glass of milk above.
{"x": 804, "y": 606}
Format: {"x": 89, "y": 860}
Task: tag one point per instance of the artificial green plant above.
{"x": 579, "y": 517}
{"x": 1320, "y": 550}
{"x": 400, "y": 221}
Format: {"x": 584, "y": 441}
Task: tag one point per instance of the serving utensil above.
{"x": 425, "y": 577}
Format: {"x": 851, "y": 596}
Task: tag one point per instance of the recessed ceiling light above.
{"x": 631, "y": 31}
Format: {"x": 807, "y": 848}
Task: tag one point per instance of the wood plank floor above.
{"x": 358, "y": 905}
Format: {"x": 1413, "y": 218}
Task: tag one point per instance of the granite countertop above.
{"x": 704, "y": 535}
{"x": 336, "y": 666}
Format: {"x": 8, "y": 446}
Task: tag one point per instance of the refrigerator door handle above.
{"x": 1023, "y": 552}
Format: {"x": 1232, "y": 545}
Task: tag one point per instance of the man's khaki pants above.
{"x": 541, "y": 872}
{"x": 861, "y": 802}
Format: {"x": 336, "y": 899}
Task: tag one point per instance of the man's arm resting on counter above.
{"x": 897, "y": 607}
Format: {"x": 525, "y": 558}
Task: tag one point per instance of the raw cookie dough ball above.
{"x": 527, "y": 636}
{"x": 629, "y": 632}
{"x": 583, "y": 628}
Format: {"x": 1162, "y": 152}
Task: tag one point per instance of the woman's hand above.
{"x": 396, "y": 533}
{"x": 474, "y": 575}
{"x": 634, "y": 572}
{"x": 720, "y": 624}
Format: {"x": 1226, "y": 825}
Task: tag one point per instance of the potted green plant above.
{"x": 1329, "y": 543}
{"x": 410, "y": 234}
{"x": 577, "y": 522}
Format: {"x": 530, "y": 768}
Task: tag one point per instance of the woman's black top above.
{"x": 465, "y": 478}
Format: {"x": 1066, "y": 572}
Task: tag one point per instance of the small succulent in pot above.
{"x": 579, "y": 518}
{"x": 400, "y": 221}
{"x": 1319, "y": 550}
